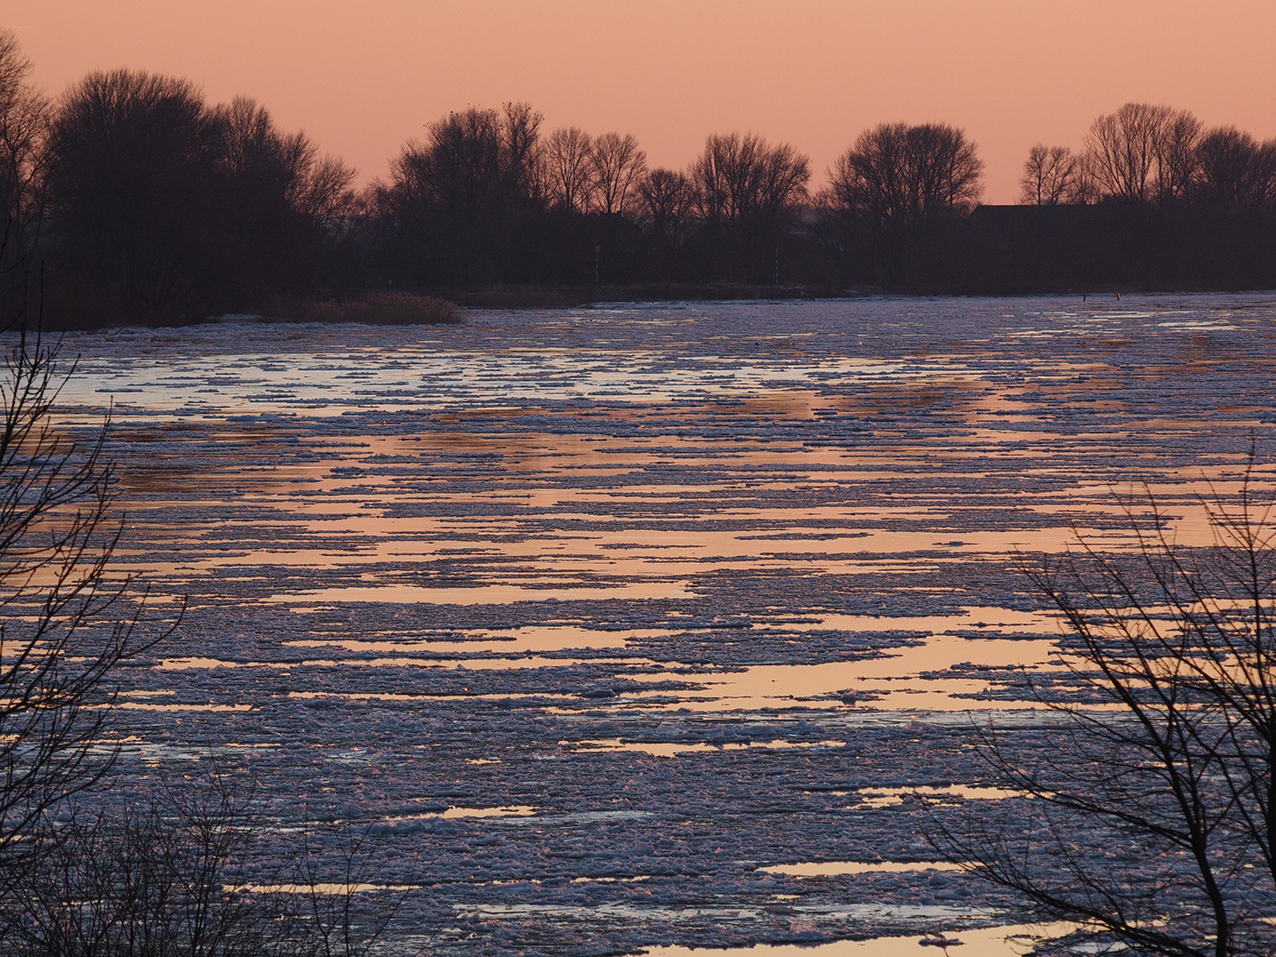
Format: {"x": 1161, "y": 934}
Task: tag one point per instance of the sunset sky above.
{"x": 363, "y": 77}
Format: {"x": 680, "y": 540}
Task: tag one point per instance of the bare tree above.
{"x": 1176, "y": 157}
{"x": 1052, "y": 176}
{"x": 566, "y": 157}
{"x": 909, "y": 174}
{"x": 519, "y": 135}
{"x": 1153, "y": 806}
{"x": 162, "y": 209}
{"x": 282, "y": 204}
{"x": 333, "y": 892}
{"x": 743, "y": 178}
{"x": 154, "y": 876}
{"x": 1122, "y": 149}
{"x": 283, "y": 170}
{"x": 68, "y": 619}
{"x": 163, "y": 871}
{"x": 667, "y": 197}
{"x": 1143, "y": 153}
{"x": 751, "y": 191}
{"x": 899, "y": 185}
{"x": 24, "y": 117}
{"x": 132, "y": 195}
{"x": 458, "y": 197}
{"x": 667, "y": 202}
{"x": 616, "y": 164}
{"x": 1234, "y": 172}
{"x": 947, "y": 173}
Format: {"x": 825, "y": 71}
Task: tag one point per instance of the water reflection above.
{"x": 843, "y": 868}
{"x": 452, "y": 813}
{"x": 895, "y": 681}
{"x": 662, "y": 749}
{"x": 1011, "y": 941}
{"x": 527, "y": 639}
{"x": 891, "y": 797}
{"x": 480, "y": 595}
{"x": 910, "y": 678}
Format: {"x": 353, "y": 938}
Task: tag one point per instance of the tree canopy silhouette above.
{"x": 280, "y": 203}
{"x": 23, "y": 118}
{"x": 459, "y": 198}
{"x": 899, "y": 186}
{"x": 749, "y": 192}
{"x": 1053, "y": 176}
{"x": 162, "y": 209}
{"x": 616, "y": 165}
{"x": 132, "y": 192}
{"x": 566, "y": 169}
{"x": 150, "y": 206}
{"x": 667, "y": 203}
{"x": 1143, "y": 153}
{"x": 1235, "y": 173}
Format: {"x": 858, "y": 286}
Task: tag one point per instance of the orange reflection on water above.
{"x": 670, "y": 749}
{"x": 841, "y": 868}
{"x": 496, "y": 594}
{"x": 896, "y": 677}
{"x": 522, "y": 640}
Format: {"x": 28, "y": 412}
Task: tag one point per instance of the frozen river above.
{"x": 645, "y": 625}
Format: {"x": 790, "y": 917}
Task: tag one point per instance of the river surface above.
{"x": 638, "y": 626}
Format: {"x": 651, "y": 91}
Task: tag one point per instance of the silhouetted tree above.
{"x": 520, "y": 133}
{"x": 667, "y": 202}
{"x": 1153, "y": 811}
{"x": 1121, "y": 147}
{"x": 283, "y": 205}
{"x": 747, "y": 194}
{"x": 1176, "y": 156}
{"x": 335, "y": 914}
{"x": 23, "y": 121}
{"x": 1235, "y": 173}
{"x": 566, "y": 159}
{"x": 1052, "y": 176}
{"x": 460, "y": 198}
{"x": 161, "y": 872}
{"x": 147, "y": 879}
{"x": 1143, "y": 154}
{"x": 899, "y": 187}
{"x": 162, "y": 209}
{"x": 616, "y": 164}
{"x": 68, "y": 621}
{"x": 132, "y": 193}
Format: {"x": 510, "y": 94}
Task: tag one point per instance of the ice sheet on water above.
{"x": 519, "y": 561}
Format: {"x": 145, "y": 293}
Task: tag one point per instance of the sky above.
{"x": 361, "y": 78}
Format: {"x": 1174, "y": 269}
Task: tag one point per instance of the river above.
{"x": 645, "y": 625}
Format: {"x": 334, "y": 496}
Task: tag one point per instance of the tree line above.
{"x": 1152, "y": 199}
{"x": 138, "y": 201}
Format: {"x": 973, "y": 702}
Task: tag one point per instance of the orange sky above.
{"x": 362, "y": 77}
